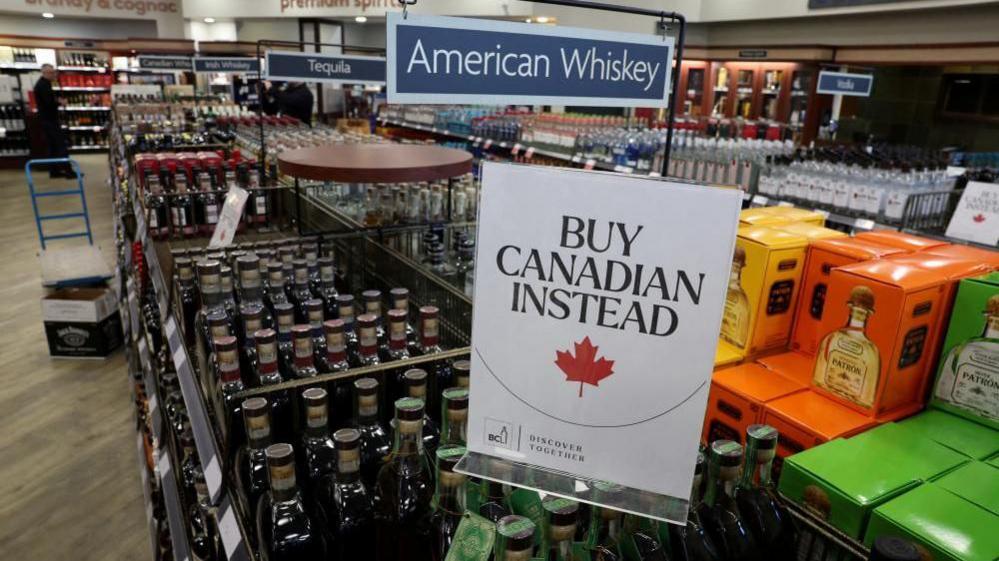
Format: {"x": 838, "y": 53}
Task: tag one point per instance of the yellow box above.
{"x": 763, "y": 289}
{"x": 727, "y": 355}
{"x": 799, "y": 214}
{"x": 811, "y": 231}
{"x": 762, "y": 216}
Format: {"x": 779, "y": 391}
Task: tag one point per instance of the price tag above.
{"x": 529, "y": 153}
{"x": 229, "y": 531}
{"x": 516, "y": 148}
{"x": 622, "y": 169}
{"x": 232, "y": 211}
{"x": 863, "y": 224}
{"x": 577, "y": 158}
{"x": 824, "y": 213}
{"x": 785, "y": 203}
{"x": 655, "y": 174}
{"x": 489, "y": 142}
{"x": 760, "y": 200}
{"x": 955, "y": 171}
{"x": 589, "y": 164}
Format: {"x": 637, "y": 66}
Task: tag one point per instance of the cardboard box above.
{"x": 760, "y": 319}
{"x": 878, "y": 326}
{"x": 811, "y": 231}
{"x": 726, "y": 355}
{"x": 975, "y": 482}
{"x": 821, "y": 258}
{"x": 976, "y": 441}
{"x": 844, "y": 480}
{"x": 82, "y": 322}
{"x": 762, "y": 216}
{"x": 795, "y": 214}
{"x": 942, "y": 524}
{"x": 967, "y": 380}
{"x": 737, "y": 397}
{"x": 960, "y": 251}
{"x": 908, "y": 242}
{"x": 793, "y": 365}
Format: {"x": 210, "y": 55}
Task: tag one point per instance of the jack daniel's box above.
{"x": 82, "y": 322}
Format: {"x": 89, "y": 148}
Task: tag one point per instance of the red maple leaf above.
{"x": 979, "y": 218}
{"x": 584, "y": 368}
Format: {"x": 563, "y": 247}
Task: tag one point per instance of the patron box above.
{"x": 901, "y": 240}
{"x": 807, "y": 419}
{"x": 959, "y": 251}
{"x": 737, "y": 397}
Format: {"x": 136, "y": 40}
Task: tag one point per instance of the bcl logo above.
{"x": 501, "y": 434}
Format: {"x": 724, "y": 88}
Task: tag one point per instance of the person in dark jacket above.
{"x": 48, "y": 116}
{"x": 295, "y": 100}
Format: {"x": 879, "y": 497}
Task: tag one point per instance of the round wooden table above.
{"x": 375, "y": 163}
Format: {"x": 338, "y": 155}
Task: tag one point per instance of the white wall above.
{"x": 86, "y": 28}
{"x": 368, "y": 34}
{"x": 218, "y": 31}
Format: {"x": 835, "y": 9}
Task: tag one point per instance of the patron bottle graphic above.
{"x": 969, "y": 378}
{"x": 735, "y": 320}
{"x": 848, "y": 363}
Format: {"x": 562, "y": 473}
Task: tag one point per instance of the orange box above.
{"x": 811, "y": 231}
{"x": 879, "y": 322}
{"x": 822, "y": 257}
{"x": 737, "y": 397}
{"x": 762, "y": 216}
{"x": 960, "y": 251}
{"x": 908, "y": 242}
{"x": 806, "y": 419}
{"x": 793, "y": 365}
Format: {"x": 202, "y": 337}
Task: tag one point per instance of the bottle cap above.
{"x": 764, "y": 436}
{"x": 456, "y": 399}
{"x": 448, "y": 456}
{"x": 561, "y": 512}
{"x": 518, "y": 531}
{"x": 280, "y": 454}
{"x": 264, "y": 336}
{"x": 726, "y": 453}
{"x": 347, "y": 439}
{"x": 409, "y": 409}
{"x": 862, "y": 296}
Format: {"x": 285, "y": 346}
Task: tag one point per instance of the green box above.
{"x": 975, "y": 482}
{"x": 948, "y": 527}
{"x": 994, "y": 461}
{"x": 845, "y": 479}
{"x": 968, "y": 321}
{"x": 972, "y": 439}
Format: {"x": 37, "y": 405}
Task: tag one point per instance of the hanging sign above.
{"x": 319, "y": 67}
{"x": 597, "y": 314}
{"x": 976, "y": 218}
{"x": 841, "y": 83}
{"x": 232, "y": 211}
{"x": 149, "y": 62}
{"x": 227, "y": 64}
{"x": 456, "y": 60}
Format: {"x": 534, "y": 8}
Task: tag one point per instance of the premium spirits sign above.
{"x": 227, "y": 64}
{"x": 455, "y": 60}
{"x": 842, "y": 83}
{"x": 598, "y": 302}
{"x": 319, "y": 67}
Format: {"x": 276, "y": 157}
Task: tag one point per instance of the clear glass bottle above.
{"x": 719, "y": 512}
{"x": 449, "y": 500}
{"x": 847, "y": 362}
{"x": 284, "y": 528}
{"x": 303, "y": 361}
{"x": 454, "y": 429}
{"x": 465, "y": 267}
{"x": 375, "y": 442}
{"x": 756, "y": 496}
{"x": 317, "y": 454}
{"x": 562, "y": 516}
{"x": 736, "y": 318}
{"x": 251, "y": 462}
{"x": 350, "y": 519}
{"x": 691, "y": 542}
{"x": 969, "y": 377}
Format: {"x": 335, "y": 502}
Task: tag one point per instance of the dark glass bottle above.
{"x": 372, "y": 300}
{"x": 301, "y": 293}
{"x": 771, "y": 525}
{"x": 345, "y": 311}
{"x": 400, "y": 301}
{"x": 462, "y": 370}
{"x": 284, "y": 315}
{"x": 428, "y": 343}
{"x": 403, "y": 491}
{"x": 415, "y": 381}
{"x": 284, "y": 528}
{"x": 303, "y": 361}
{"x": 275, "y": 287}
{"x": 317, "y": 455}
{"x": 230, "y": 383}
{"x": 375, "y": 443}
{"x": 494, "y": 503}
{"x": 514, "y": 539}
{"x": 218, "y": 326}
{"x": 206, "y": 203}
{"x": 454, "y": 429}
{"x": 182, "y": 208}
{"x": 449, "y": 500}
{"x": 562, "y": 516}
{"x": 210, "y": 283}
{"x": 189, "y": 463}
{"x": 603, "y": 535}
{"x": 350, "y": 520}
{"x": 187, "y": 293}
{"x": 397, "y": 343}
{"x": 691, "y": 542}
{"x": 719, "y": 512}
{"x": 206, "y": 544}
{"x": 327, "y": 286}
{"x": 250, "y": 289}
{"x": 252, "y": 315}
{"x": 268, "y": 373}
{"x": 251, "y": 462}
{"x": 367, "y": 340}
{"x": 314, "y": 311}
{"x": 228, "y": 294}
{"x": 335, "y": 360}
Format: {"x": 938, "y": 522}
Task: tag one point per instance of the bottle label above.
{"x": 373, "y": 307}
{"x": 430, "y": 328}
{"x": 316, "y": 318}
{"x": 303, "y": 347}
{"x": 334, "y": 341}
{"x": 267, "y": 356}
{"x": 473, "y": 540}
{"x": 976, "y": 384}
{"x": 315, "y": 416}
{"x": 228, "y": 366}
{"x": 250, "y": 278}
{"x": 283, "y": 477}
{"x": 210, "y": 284}
{"x": 735, "y": 319}
{"x": 846, "y": 371}
{"x": 221, "y": 330}
{"x": 367, "y": 405}
{"x": 258, "y": 427}
{"x": 397, "y": 331}
{"x": 253, "y": 325}
{"x": 401, "y": 304}
{"x": 326, "y": 274}
{"x": 347, "y": 314}
{"x": 368, "y": 337}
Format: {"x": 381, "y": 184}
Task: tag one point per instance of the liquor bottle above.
{"x": 327, "y": 286}
{"x": 317, "y": 455}
{"x": 284, "y": 315}
{"x": 251, "y": 462}
{"x": 335, "y": 360}
{"x": 562, "y": 516}
{"x": 462, "y": 370}
{"x": 604, "y": 532}
{"x": 400, "y": 301}
{"x": 182, "y": 208}
{"x": 345, "y": 311}
{"x": 465, "y": 267}
{"x": 187, "y": 294}
{"x": 350, "y": 521}
{"x": 493, "y": 501}
{"x": 441, "y": 373}
{"x": 397, "y": 343}
{"x": 189, "y": 463}
{"x": 375, "y": 444}
{"x": 735, "y": 320}
{"x": 311, "y": 251}
{"x": 206, "y": 202}
{"x": 367, "y": 340}
{"x": 415, "y": 381}
{"x": 252, "y": 316}
{"x": 692, "y": 542}
{"x": 269, "y": 373}
{"x": 257, "y": 203}
{"x": 211, "y": 304}
{"x": 285, "y": 530}
{"x": 719, "y": 512}
{"x": 230, "y": 384}
{"x": 158, "y": 217}
{"x": 206, "y": 543}
{"x": 303, "y": 362}
{"x": 403, "y": 491}
{"x": 275, "y": 287}
{"x": 756, "y": 496}
{"x": 314, "y": 313}
{"x": 250, "y": 291}
{"x": 449, "y": 500}
{"x": 970, "y": 375}
{"x": 514, "y": 539}
{"x": 847, "y": 362}
{"x": 301, "y": 293}
{"x": 454, "y": 429}
{"x": 438, "y": 264}
{"x": 372, "y": 300}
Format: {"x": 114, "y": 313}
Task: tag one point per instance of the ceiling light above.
{"x": 48, "y": 15}
{"x": 209, "y": 20}
{"x": 361, "y": 19}
{"x": 542, "y": 19}
{"x": 528, "y": 20}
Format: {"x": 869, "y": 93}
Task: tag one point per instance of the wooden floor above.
{"x": 69, "y": 476}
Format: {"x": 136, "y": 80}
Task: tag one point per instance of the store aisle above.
{"x": 69, "y": 475}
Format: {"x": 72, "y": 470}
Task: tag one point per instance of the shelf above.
{"x": 94, "y": 147}
{"x": 84, "y": 128}
{"x": 80, "y": 89}
{"x": 20, "y": 66}
{"x": 86, "y": 108}
{"x": 100, "y": 69}
{"x": 16, "y": 155}
{"x": 857, "y": 223}
{"x": 174, "y": 510}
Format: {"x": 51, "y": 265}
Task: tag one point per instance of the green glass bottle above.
{"x": 756, "y": 496}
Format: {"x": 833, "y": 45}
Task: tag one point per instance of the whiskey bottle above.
{"x": 969, "y": 377}
{"x": 415, "y": 381}
{"x": 187, "y": 295}
{"x": 334, "y": 360}
{"x": 372, "y": 300}
{"x": 345, "y": 311}
{"x": 397, "y": 343}
{"x": 327, "y": 286}
{"x": 181, "y": 208}
{"x": 211, "y": 305}
{"x": 350, "y": 521}
{"x": 284, "y": 315}
{"x": 449, "y": 500}
{"x": 268, "y": 373}
{"x": 317, "y": 455}
{"x": 367, "y": 340}
{"x": 462, "y": 370}
{"x": 206, "y": 203}
{"x": 403, "y": 492}
{"x": 719, "y": 512}
{"x": 847, "y": 362}
{"x": 301, "y": 294}
{"x": 252, "y": 315}
{"x": 228, "y": 294}
{"x": 465, "y": 267}
{"x": 314, "y": 312}
{"x": 561, "y": 515}
{"x": 736, "y": 318}
{"x": 189, "y": 463}
{"x": 691, "y": 542}
{"x": 206, "y": 544}
{"x": 375, "y": 443}
{"x": 251, "y": 462}
{"x": 285, "y": 530}
{"x": 275, "y": 287}
{"x": 441, "y": 374}
{"x": 400, "y": 301}
{"x": 230, "y": 384}
{"x": 250, "y": 291}
{"x": 756, "y": 496}
{"x": 303, "y": 362}
{"x": 514, "y": 539}
{"x": 454, "y": 429}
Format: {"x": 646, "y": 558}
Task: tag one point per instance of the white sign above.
{"x": 598, "y": 302}
{"x": 976, "y": 218}
{"x": 232, "y": 211}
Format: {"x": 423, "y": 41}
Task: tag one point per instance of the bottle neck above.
{"x": 348, "y": 467}
{"x": 735, "y": 276}
{"x": 450, "y": 492}
{"x": 858, "y": 317}
{"x": 455, "y": 429}
{"x": 367, "y": 410}
{"x": 407, "y": 445}
{"x": 250, "y": 294}
{"x": 368, "y": 341}
{"x": 756, "y": 467}
{"x": 991, "y": 327}
{"x": 429, "y": 335}
{"x": 283, "y": 484}
{"x": 721, "y": 483}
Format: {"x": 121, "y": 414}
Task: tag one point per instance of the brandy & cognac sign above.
{"x": 597, "y": 312}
